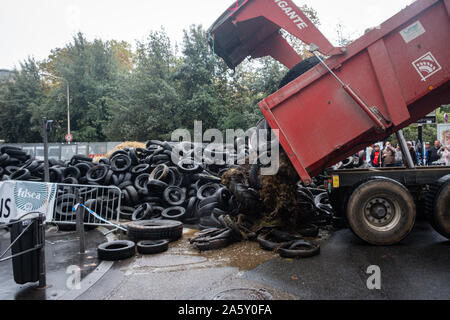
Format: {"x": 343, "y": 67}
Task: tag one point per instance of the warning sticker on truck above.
{"x": 412, "y": 32}
{"x": 427, "y": 65}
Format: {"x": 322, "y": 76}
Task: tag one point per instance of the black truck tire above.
{"x": 381, "y": 211}
{"x": 438, "y": 206}
{"x": 155, "y": 230}
{"x": 299, "y": 249}
{"x": 152, "y": 246}
{"x": 254, "y": 178}
{"x": 174, "y": 213}
{"x": 116, "y": 250}
{"x": 298, "y": 70}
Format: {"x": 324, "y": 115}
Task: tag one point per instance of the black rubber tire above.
{"x": 174, "y": 196}
{"x": 223, "y": 196}
{"x": 293, "y": 250}
{"x": 174, "y": 213}
{"x": 156, "y": 187}
{"x": 56, "y": 174}
{"x": 395, "y": 195}
{"x": 31, "y": 165}
{"x": 97, "y": 174}
{"x": 22, "y": 174}
{"x": 8, "y": 149}
{"x": 126, "y": 212}
{"x": 152, "y": 246}
{"x": 140, "y": 183}
{"x": 159, "y": 173}
{"x": 213, "y": 244}
{"x": 210, "y": 221}
{"x": 298, "y": 70}
{"x": 157, "y": 213}
{"x": 121, "y": 158}
{"x": 80, "y": 157}
{"x": 309, "y": 231}
{"x": 125, "y": 184}
{"x": 84, "y": 168}
{"x": 116, "y": 250}
{"x": 206, "y": 201}
{"x": 117, "y": 152}
{"x": 207, "y": 190}
{"x": 188, "y": 166}
{"x": 438, "y": 206}
{"x": 71, "y": 172}
{"x": 275, "y": 239}
{"x": 254, "y": 177}
{"x": 206, "y": 210}
{"x": 134, "y": 196}
{"x": 175, "y": 178}
{"x": 143, "y": 212}
{"x": 133, "y": 156}
{"x": 212, "y": 238}
{"x": 104, "y": 161}
{"x": 191, "y": 206}
{"x": 70, "y": 180}
{"x": 141, "y": 169}
{"x": 9, "y": 170}
{"x": 155, "y": 230}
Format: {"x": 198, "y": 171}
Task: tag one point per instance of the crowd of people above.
{"x": 390, "y": 156}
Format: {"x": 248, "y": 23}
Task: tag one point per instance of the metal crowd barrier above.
{"x": 98, "y": 205}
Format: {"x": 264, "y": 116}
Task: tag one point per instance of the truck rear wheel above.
{"x": 381, "y": 211}
{"x": 438, "y": 206}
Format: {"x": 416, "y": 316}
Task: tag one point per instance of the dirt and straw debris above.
{"x": 280, "y": 204}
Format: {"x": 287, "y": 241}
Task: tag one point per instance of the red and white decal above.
{"x": 426, "y": 66}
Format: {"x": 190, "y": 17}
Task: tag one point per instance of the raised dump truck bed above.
{"x": 391, "y": 77}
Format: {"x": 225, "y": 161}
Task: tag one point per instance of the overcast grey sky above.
{"x": 34, "y": 27}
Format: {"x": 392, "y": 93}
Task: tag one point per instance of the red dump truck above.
{"x": 345, "y": 99}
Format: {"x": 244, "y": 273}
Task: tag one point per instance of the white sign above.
{"x": 18, "y": 198}
{"x": 412, "y": 32}
{"x": 444, "y": 134}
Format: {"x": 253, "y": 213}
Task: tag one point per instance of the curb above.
{"x": 95, "y": 275}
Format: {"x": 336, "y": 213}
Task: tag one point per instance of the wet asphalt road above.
{"x": 418, "y": 268}
{"x": 61, "y": 251}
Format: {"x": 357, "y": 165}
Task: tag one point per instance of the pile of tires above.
{"x": 16, "y": 164}
{"x": 147, "y": 237}
{"x": 153, "y": 185}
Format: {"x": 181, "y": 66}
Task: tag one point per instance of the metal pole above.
{"x": 420, "y": 144}
{"x": 42, "y": 271}
{"x": 46, "y": 164}
{"x": 80, "y": 223}
{"x": 68, "y": 108}
{"x": 406, "y": 155}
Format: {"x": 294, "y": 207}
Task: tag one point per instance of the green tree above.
{"x": 92, "y": 71}
{"x": 147, "y": 103}
{"x": 19, "y": 98}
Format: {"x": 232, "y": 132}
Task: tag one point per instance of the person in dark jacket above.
{"x": 375, "y": 159}
{"x": 434, "y": 154}
{"x": 413, "y": 153}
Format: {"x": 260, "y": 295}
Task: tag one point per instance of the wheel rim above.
{"x": 382, "y": 214}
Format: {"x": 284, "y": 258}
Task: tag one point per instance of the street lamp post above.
{"x": 67, "y": 98}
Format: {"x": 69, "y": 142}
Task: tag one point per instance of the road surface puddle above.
{"x": 182, "y": 255}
